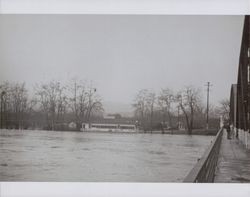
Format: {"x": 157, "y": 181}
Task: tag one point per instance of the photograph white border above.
{"x": 76, "y": 189}
{"x": 166, "y": 7}
{"x": 153, "y": 7}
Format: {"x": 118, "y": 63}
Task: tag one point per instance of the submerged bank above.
{"x": 209, "y": 132}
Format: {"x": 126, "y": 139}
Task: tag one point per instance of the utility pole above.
{"x": 208, "y": 89}
{"x": 178, "y": 117}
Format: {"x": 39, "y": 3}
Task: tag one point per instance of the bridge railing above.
{"x": 204, "y": 170}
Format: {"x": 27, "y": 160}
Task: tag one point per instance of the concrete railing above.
{"x": 204, "y": 170}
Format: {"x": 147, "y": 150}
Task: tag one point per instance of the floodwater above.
{"x": 103, "y": 157}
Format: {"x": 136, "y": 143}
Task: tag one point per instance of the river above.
{"x": 102, "y": 157}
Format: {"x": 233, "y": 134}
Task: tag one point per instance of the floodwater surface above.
{"x": 102, "y": 157}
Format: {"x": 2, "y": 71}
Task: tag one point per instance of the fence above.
{"x": 204, "y": 170}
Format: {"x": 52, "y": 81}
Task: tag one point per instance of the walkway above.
{"x": 233, "y": 163}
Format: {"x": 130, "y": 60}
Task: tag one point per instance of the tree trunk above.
{"x": 187, "y": 121}
{"x": 191, "y": 120}
{"x": 170, "y": 122}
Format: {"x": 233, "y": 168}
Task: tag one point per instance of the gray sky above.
{"x": 122, "y": 54}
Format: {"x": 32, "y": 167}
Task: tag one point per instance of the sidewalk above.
{"x": 233, "y": 163}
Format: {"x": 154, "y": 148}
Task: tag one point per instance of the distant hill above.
{"x": 124, "y": 109}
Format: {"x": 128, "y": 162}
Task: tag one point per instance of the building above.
{"x": 240, "y": 92}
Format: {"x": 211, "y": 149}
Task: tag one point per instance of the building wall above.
{"x": 244, "y": 138}
{"x": 240, "y": 93}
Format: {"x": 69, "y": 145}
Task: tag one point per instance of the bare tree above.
{"x": 165, "y": 100}
{"x": 140, "y": 106}
{"x": 94, "y": 103}
{"x": 224, "y": 108}
{"x": 19, "y": 99}
{"x": 144, "y": 105}
{"x": 189, "y": 101}
{"x": 78, "y": 100}
{"x": 84, "y": 101}
{"x": 151, "y": 97}
{"x": 5, "y": 103}
{"x": 15, "y": 105}
{"x": 53, "y": 102}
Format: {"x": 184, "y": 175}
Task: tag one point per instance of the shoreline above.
{"x": 210, "y": 132}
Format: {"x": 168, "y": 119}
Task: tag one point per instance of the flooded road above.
{"x": 105, "y": 157}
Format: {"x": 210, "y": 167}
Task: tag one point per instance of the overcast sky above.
{"x": 122, "y": 54}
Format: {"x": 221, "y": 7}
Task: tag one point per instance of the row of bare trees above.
{"x": 15, "y": 104}
{"x": 76, "y": 101}
{"x": 186, "y": 103}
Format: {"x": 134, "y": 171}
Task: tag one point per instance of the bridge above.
{"x": 229, "y": 160}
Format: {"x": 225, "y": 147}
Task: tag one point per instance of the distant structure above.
{"x": 240, "y": 92}
{"x": 110, "y": 117}
{"x": 110, "y": 123}
{"x": 72, "y": 125}
{"x": 109, "y": 127}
